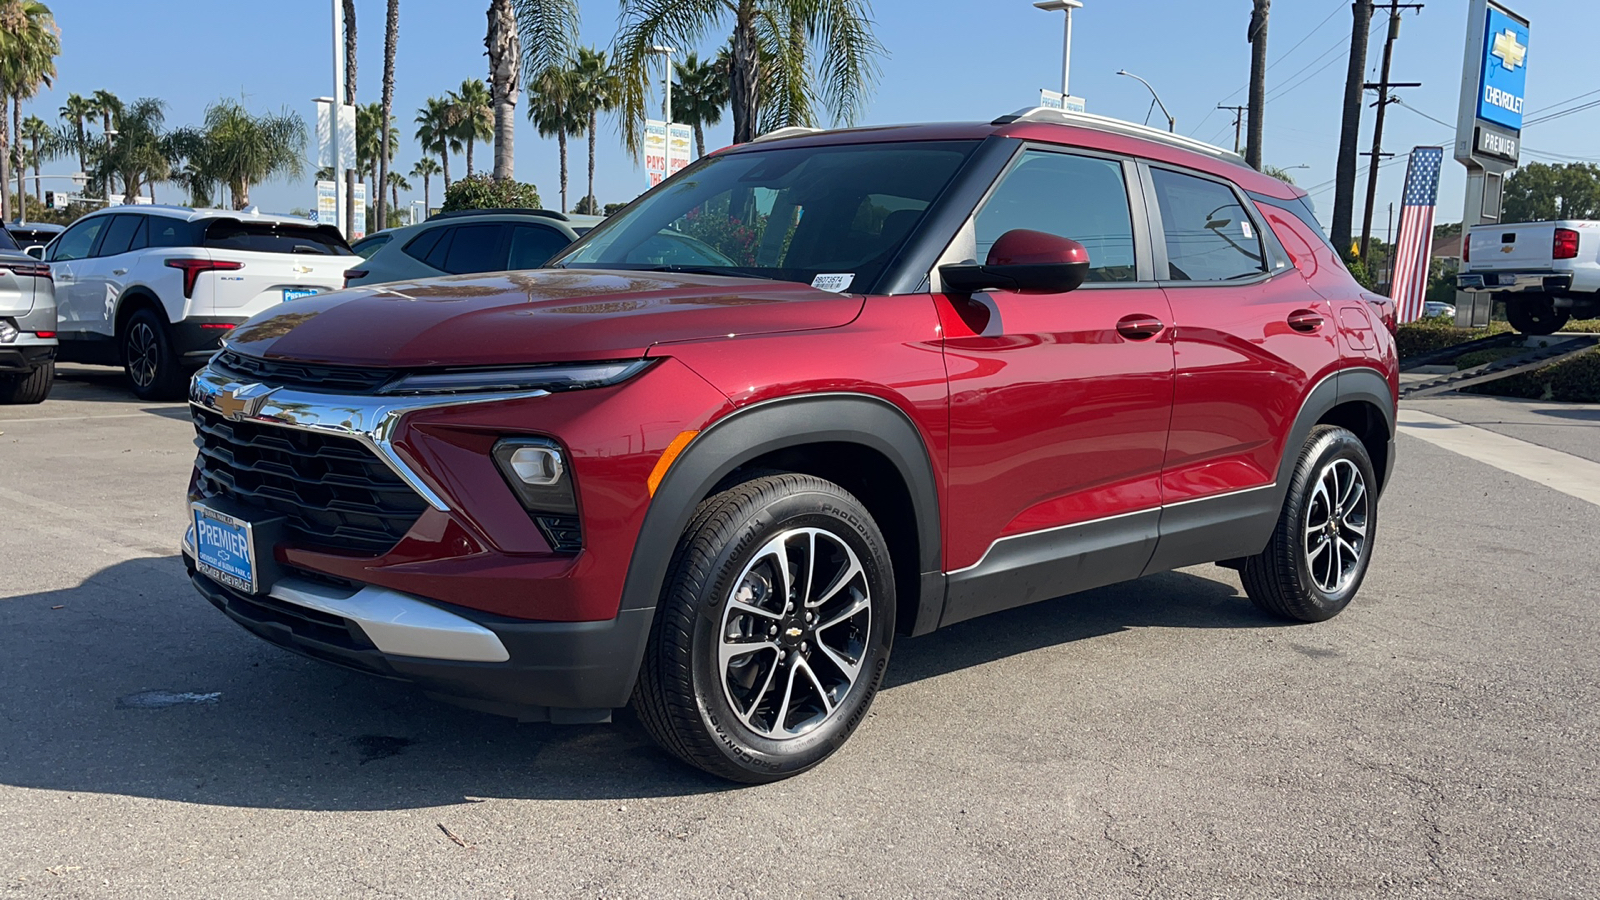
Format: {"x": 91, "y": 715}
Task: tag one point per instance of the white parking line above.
{"x": 1571, "y": 475}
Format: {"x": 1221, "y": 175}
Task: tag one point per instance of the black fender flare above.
{"x": 762, "y": 428}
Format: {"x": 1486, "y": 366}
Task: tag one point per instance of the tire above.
{"x": 147, "y": 357}
{"x": 1322, "y": 546}
{"x": 33, "y": 387}
{"x": 1535, "y": 316}
{"x": 721, "y": 710}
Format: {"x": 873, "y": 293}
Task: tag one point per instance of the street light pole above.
{"x": 1066, "y": 6}
{"x": 666, "y": 96}
{"x": 1172, "y": 124}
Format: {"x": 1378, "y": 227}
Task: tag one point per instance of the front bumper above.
{"x": 1537, "y": 282}
{"x": 570, "y": 672}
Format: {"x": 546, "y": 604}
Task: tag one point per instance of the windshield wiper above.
{"x": 702, "y": 270}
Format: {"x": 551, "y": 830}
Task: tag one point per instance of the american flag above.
{"x": 1412, "y": 251}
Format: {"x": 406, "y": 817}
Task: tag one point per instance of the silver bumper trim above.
{"x": 1514, "y": 281}
{"x": 398, "y": 624}
{"x": 369, "y": 420}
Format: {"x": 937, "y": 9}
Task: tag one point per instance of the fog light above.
{"x": 539, "y": 466}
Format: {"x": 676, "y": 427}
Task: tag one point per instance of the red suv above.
{"x": 812, "y": 394}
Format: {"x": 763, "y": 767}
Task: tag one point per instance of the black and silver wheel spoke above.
{"x": 1336, "y": 526}
{"x": 794, "y": 632}
{"x": 142, "y": 354}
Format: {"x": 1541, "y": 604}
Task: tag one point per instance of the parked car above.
{"x": 464, "y": 242}
{"x": 1433, "y": 308}
{"x": 934, "y": 374}
{"x": 33, "y": 236}
{"x": 154, "y": 288}
{"x": 27, "y": 325}
{"x": 1545, "y": 272}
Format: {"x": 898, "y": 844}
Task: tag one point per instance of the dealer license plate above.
{"x": 297, "y": 293}
{"x": 223, "y": 549}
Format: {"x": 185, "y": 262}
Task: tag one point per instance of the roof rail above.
{"x": 1117, "y": 126}
{"x": 790, "y": 131}
{"x": 458, "y": 213}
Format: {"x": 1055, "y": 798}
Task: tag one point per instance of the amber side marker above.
{"x": 667, "y": 457}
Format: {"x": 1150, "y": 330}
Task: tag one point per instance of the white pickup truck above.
{"x": 1546, "y": 272}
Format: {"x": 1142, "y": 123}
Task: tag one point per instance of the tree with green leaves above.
{"x": 524, "y": 37}
{"x": 391, "y": 34}
{"x": 77, "y": 111}
{"x": 824, "y": 48}
{"x": 554, "y": 110}
{"x": 700, "y": 96}
{"x": 370, "y": 141}
{"x": 108, "y": 107}
{"x": 397, "y": 183}
{"x": 38, "y": 134}
{"x": 29, "y": 45}
{"x": 436, "y": 134}
{"x": 595, "y": 88}
{"x": 140, "y": 154}
{"x": 240, "y": 150}
{"x": 471, "y": 116}
{"x": 425, "y": 169}
{"x": 1538, "y": 192}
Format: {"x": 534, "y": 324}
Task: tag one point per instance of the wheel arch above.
{"x": 864, "y": 443}
{"x": 131, "y": 301}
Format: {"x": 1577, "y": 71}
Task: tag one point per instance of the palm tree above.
{"x": 780, "y": 33}
{"x": 435, "y": 135}
{"x": 391, "y": 34}
{"x": 75, "y": 112}
{"x": 699, "y": 96}
{"x": 37, "y": 132}
{"x": 471, "y": 119}
{"x": 595, "y": 86}
{"x": 29, "y": 44}
{"x": 553, "y": 109}
{"x": 140, "y": 152}
{"x": 108, "y": 108}
{"x": 369, "y": 148}
{"x": 397, "y": 183}
{"x": 523, "y": 36}
{"x": 425, "y": 169}
{"x": 245, "y": 150}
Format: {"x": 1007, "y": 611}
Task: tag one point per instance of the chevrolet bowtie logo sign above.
{"x": 238, "y": 402}
{"x": 1510, "y": 52}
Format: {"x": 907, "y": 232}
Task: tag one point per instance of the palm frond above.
{"x": 645, "y": 24}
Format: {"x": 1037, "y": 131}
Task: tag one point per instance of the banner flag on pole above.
{"x": 1414, "y": 249}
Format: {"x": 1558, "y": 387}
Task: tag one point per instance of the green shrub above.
{"x": 1575, "y": 380}
{"x": 1588, "y": 326}
{"x": 484, "y": 192}
{"x": 1437, "y": 333}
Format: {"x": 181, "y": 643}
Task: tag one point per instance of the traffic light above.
{"x": 50, "y": 199}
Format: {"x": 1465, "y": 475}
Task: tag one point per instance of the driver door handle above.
{"x": 1139, "y": 327}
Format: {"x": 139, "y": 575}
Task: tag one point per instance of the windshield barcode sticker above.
{"x": 835, "y": 283}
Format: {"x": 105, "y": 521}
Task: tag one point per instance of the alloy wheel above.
{"x": 794, "y": 632}
{"x": 1336, "y": 526}
{"x": 143, "y": 349}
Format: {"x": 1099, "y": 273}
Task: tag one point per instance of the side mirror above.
{"x": 36, "y": 251}
{"x": 1024, "y": 261}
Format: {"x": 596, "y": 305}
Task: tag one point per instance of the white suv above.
{"x": 154, "y": 289}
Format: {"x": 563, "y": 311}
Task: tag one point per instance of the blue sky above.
{"x": 947, "y": 60}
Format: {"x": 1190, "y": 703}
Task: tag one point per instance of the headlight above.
{"x": 525, "y": 378}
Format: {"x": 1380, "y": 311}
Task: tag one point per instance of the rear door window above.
{"x": 120, "y": 235}
{"x": 1208, "y": 234}
{"x": 533, "y": 245}
{"x": 1078, "y": 197}
{"x": 272, "y": 237}
{"x": 475, "y": 248}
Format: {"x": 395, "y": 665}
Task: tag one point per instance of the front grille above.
{"x": 332, "y": 490}
{"x": 305, "y": 376}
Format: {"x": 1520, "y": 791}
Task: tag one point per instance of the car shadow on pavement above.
{"x": 132, "y": 684}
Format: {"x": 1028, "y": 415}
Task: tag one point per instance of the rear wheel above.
{"x": 148, "y": 359}
{"x": 1535, "y": 315}
{"x": 1319, "y": 553}
{"x": 32, "y": 387}
{"x": 773, "y": 631}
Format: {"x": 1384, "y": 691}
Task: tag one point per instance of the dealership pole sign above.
{"x": 1493, "y": 81}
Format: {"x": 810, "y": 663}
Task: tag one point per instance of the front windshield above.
{"x": 830, "y": 216}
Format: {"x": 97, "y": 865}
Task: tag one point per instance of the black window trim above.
{"x": 1272, "y": 251}
{"x": 1143, "y": 237}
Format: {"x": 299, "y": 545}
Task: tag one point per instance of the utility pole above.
{"x": 1257, "y": 35}
{"x": 1238, "y": 120}
{"x": 1383, "y": 87}
{"x": 1344, "y": 184}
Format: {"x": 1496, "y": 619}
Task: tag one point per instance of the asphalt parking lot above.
{"x": 1441, "y": 738}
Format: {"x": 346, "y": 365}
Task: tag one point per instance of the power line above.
{"x": 1545, "y": 109}
{"x": 1557, "y": 115}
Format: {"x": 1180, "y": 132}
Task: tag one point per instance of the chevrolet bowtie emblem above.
{"x": 794, "y": 632}
{"x": 1512, "y": 52}
{"x": 1508, "y": 248}
{"x": 302, "y": 270}
{"x": 238, "y": 402}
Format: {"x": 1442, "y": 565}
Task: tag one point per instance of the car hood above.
{"x": 546, "y": 315}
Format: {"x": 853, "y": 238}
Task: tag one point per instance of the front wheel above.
{"x": 147, "y": 357}
{"x": 1538, "y": 317}
{"x": 773, "y": 631}
{"x": 1319, "y": 553}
